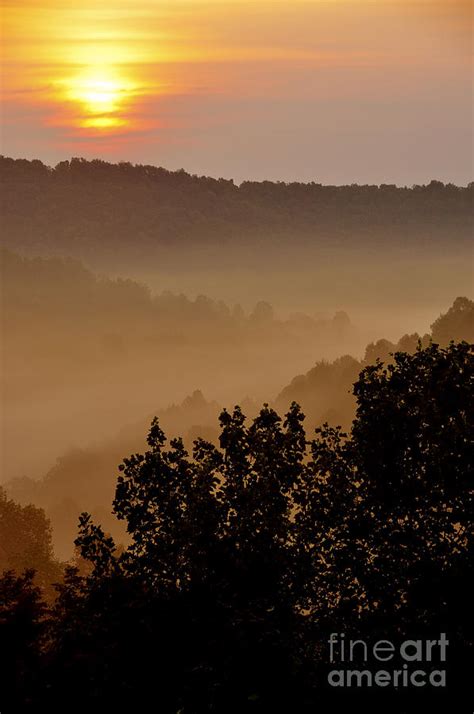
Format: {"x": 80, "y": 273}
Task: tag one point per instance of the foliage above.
{"x": 26, "y": 543}
{"x": 70, "y": 206}
{"x": 456, "y": 324}
{"x": 21, "y": 633}
{"x": 244, "y": 558}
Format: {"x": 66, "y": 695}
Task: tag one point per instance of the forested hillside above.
{"x": 84, "y": 477}
{"x": 83, "y": 354}
{"x": 135, "y": 209}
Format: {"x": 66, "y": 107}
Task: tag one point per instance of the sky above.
{"x": 333, "y": 91}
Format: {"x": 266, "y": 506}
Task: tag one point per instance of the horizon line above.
{"x": 232, "y": 180}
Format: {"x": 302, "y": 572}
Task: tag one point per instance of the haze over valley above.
{"x": 130, "y": 291}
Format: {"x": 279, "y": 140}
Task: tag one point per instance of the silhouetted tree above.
{"x": 22, "y": 629}
{"x": 244, "y": 558}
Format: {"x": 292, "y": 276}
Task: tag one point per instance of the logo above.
{"x": 412, "y": 663}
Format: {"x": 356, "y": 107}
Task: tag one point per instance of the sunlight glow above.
{"x": 101, "y": 95}
{"x": 109, "y": 122}
{"x": 92, "y": 68}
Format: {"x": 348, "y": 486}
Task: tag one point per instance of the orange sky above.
{"x": 331, "y": 90}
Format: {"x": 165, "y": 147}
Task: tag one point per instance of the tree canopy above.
{"x": 81, "y": 205}
{"x": 243, "y": 558}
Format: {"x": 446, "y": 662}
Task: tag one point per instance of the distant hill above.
{"x": 325, "y": 391}
{"x": 83, "y": 354}
{"x": 81, "y": 207}
{"x": 86, "y": 478}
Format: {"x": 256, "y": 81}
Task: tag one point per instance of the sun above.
{"x": 101, "y": 96}
{"x": 98, "y": 95}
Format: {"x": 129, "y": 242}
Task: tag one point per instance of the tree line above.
{"x": 81, "y": 205}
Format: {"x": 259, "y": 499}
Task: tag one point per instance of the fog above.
{"x": 83, "y": 354}
{"x": 385, "y": 291}
{"x": 206, "y": 295}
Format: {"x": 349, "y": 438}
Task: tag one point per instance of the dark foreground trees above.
{"x": 244, "y": 559}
